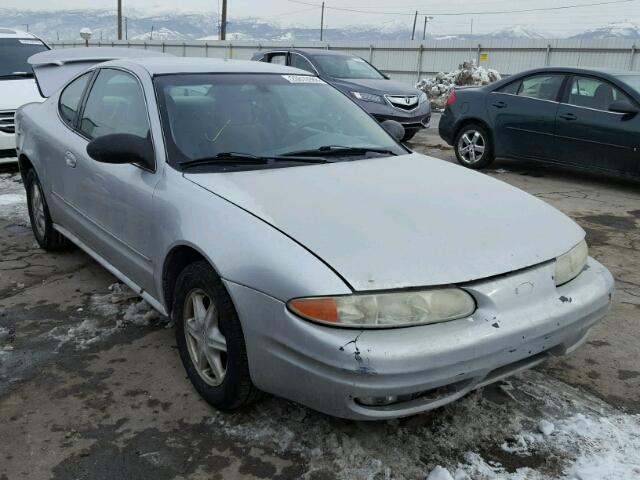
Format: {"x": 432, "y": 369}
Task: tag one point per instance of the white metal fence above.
{"x": 409, "y": 61}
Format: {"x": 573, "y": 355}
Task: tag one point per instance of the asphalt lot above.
{"x": 91, "y": 385}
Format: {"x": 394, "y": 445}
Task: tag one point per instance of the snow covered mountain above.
{"x": 613, "y": 30}
{"x": 179, "y": 26}
{"x": 517, "y": 31}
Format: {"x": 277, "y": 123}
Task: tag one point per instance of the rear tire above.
{"x": 210, "y": 339}
{"x": 46, "y": 236}
{"x": 473, "y": 147}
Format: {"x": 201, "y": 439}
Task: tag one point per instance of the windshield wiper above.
{"x": 17, "y": 74}
{"x": 339, "y": 150}
{"x": 248, "y": 158}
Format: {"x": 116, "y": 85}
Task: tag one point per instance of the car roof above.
{"x": 169, "y": 65}
{"x": 309, "y": 51}
{"x": 13, "y": 33}
{"x": 597, "y": 70}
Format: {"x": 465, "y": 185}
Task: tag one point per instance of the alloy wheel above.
{"x": 471, "y": 147}
{"x": 206, "y": 344}
{"x": 37, "y": 209}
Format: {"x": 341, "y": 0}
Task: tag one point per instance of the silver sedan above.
{"x": 299, "y": 248}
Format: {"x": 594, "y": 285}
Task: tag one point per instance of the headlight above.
{"x": 398, "y": 309}
{"x": 423, "y": 97}
{"x": 569, "y": 265}
{"x": 368, "y": 97}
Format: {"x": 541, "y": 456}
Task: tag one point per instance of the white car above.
{"x": 17, "y": 85}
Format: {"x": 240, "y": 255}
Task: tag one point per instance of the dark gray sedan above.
{"x": 575, "y": 116}
{"x": 379, "y": 96}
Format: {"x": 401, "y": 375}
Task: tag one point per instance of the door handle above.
{"x": 70, "y": 159}
{"x": 500, "y": 105}
{"x": 568, "y": 116}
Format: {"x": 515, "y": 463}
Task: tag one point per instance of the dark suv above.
{"x": 381, "y": 97}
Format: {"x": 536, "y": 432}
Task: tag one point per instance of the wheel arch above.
{"x": 178, "y": 257}
{"x": 24, "y": 164}
{"x": 475, "y": 120}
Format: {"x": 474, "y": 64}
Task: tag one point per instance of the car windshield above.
{"x": 14, "y": 53}
{"x": 632, "y": 80}
{"x": 342, "y": 66}
{"x": 208, "y": 115}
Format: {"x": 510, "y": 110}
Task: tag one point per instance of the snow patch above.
{"x": 119, "y": 308}
{"x": 13, "y": 200}
{"x": 467, "y": 74}
{"x": 590, "y": 439}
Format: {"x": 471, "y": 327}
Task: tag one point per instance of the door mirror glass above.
{"x": 119, "y": 148}
{"x": 624, "y": 107}
{"x": 395, "y": 129}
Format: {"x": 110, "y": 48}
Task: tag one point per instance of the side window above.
{"x": 277, "y": 58}
{"x": 511, "y": 88}
{"x": 594, "y": 93}
{"x": 70, "y": 98}
{"x": 115, "y": 105}
{"x": 543, "y": 87}
{"x": 298, "y": 61}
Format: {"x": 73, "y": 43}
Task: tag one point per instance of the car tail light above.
{"x": 451, "y": 99}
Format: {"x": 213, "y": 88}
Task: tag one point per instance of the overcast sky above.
{"x": 288, "y": 12}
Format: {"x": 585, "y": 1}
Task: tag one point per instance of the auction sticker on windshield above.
{"x": 301, "y": 79}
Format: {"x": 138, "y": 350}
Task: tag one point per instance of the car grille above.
{"x": 7, "y": 121}
{"x": 403, "y": 102}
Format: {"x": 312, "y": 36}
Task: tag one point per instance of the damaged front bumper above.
{"x": 522, "y": 318}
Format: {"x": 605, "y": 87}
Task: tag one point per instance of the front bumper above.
{"x": 7, "y": 145}
{"x": 411, "y": 120}
{"x": 522, "y": 318}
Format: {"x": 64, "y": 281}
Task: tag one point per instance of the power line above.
{"x": 452, "y": 14}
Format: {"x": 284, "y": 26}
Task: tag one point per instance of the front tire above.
{"x": 408, "y": 135}
{"x": 473, "y": 147}
{"x": 210, "y": 339}
{"x": 41, "y": 224}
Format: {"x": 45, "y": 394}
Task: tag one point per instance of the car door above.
{"x": 62, "y": 133}
{"x": 588, "y": 134}
{"x": 299, "y": 61}
{"x": 523, "y": 115}
{"x": 111, "y": 204}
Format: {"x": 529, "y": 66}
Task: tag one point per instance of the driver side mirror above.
{"x": 119, "y": 148}
{"x": 623, "y": 107}
{"x": 395, "y": 129}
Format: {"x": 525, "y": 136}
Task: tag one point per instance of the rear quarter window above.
{"x": 70, "y": 99}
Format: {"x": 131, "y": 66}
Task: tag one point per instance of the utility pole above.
{"x": 151, "y": 36}
{"x": 321, "y": 21}
{"x": 126, "y": 28}
{"x": 424, "y": 30}
{"x": 415, "y": 19}
{"x": 223, "y": 21}
{"x": 119, "y": 19}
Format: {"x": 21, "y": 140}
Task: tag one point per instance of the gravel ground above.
{"x": 91, "y": 386}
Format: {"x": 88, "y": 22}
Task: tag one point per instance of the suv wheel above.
{"x": 473, "y": 147}
{"x": 210, "y": 339}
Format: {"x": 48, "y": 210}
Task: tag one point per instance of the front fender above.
{"x": 241, "y": 247}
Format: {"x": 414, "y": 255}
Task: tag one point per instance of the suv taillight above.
{"x": 451, "y": 99}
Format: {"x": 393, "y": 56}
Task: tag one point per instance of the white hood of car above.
{"x": 15, "y": 93}
{"x": 402, "y": 222}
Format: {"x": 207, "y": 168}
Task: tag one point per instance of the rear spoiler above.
{"x": 54, "y": 68}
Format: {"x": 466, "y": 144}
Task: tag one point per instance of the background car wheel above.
{"x": 408, "y": 135}
{"x": 473, "y": 147}
{"x": 46, "y": 236}
{"x": 210, "y": 339}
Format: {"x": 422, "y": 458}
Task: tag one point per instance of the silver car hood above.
{"x": 401, "y": 222}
